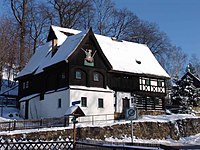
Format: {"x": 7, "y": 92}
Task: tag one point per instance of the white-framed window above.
{"x": 83, "y": 101}
{"x": 100, "y": 103}
{"x": 78, "y": 75}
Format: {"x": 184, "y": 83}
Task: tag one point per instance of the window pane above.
{"x": 100, "y": 103}
{"x": 59, "y": 103}
{"x": 147, "y": 82}
{"x": 27, "y": 84}
{"x": 159, "y": 83}
{"x": 78, "y": 75}
{"x": 96, "y": 77}
{"x": 83, "y": 101}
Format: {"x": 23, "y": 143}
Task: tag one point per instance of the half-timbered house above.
{"x": 105, "y": 75}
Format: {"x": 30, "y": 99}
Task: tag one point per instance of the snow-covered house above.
{"x": 107, "y": 76}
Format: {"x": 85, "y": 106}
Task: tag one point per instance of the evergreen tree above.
{"x": 184, "y": 94}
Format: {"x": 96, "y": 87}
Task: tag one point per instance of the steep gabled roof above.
{"x": 122, "y": 55}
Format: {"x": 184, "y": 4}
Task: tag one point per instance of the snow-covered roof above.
{"x": 26, "y": 98}
{"x": 74, "y": 111}
{"x": 130, "y": 57}
{"x": 122, "y": 55}
{"x": 36, "y": 60}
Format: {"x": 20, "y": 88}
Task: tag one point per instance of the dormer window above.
{"x": 54, "y": 46}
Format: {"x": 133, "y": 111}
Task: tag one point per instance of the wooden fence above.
{"x": 54, "y": 122}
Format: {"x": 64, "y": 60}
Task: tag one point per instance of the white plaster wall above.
{"x": 34, "y": 108}
{"x": 92, "y": 101}
{"x": 119, "y": 102}
{"x": 49, "y": 106}
{"x": 22, "y": 109}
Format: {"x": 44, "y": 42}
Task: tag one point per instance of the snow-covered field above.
{"x": 9, "y": 113}
{"x": 148, "y": 118}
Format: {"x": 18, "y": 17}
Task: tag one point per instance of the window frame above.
{"x": 78, "y": 75}
{"x": 160, "y": 83}
{"x": 59, "y": 103}
{"x": 100, "y": 103}
{"x": 25, "y": 85}
{"x": 147, "y": 81}
{"x": 83, "y": 101}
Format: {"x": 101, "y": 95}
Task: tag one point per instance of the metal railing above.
{"x": 55, "y": 122}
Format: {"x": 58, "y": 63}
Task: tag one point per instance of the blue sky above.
{"x": 180, "y": 19}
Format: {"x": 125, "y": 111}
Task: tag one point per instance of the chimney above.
{"x": 54, "y": 46}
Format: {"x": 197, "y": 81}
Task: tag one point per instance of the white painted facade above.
{"x": 119, "y": 96}
{"x": 49, "y": 107}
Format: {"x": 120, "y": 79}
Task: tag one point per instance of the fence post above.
{"x": 9, "y": 125}
{"x": 40, "y": 122}
{"x": 65, "y": 119}
{"x": 92, "y": 120}
{"x": 14, "y": 124}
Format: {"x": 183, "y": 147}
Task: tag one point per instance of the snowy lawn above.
{"x": 193, "y": 140}
{"x": 9, "y": 113}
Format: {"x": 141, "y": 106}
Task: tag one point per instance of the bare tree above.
{"x": 69, "y": 11}
{"x": 123, "y": 22}
{"x": 149, "y": 34}
{"x": 195, "y": 61}
{"x": 87, "y": 15}
{"x": 9, "y": 45}
{"x": 19, "y": 9}
{"x": 104, "y": 10}
{"x": 175, "y": 61}
{"x": 38, "y": 23}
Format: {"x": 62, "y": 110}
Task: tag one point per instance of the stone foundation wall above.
{"x": 142, "y": 130}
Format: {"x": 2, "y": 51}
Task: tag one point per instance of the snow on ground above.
{"x": 165, "y": 118}
{"x": 193, "y": 140}
{"x": 9, "y": 113}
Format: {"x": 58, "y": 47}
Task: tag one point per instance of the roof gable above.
{"x": 119, "y": 55}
